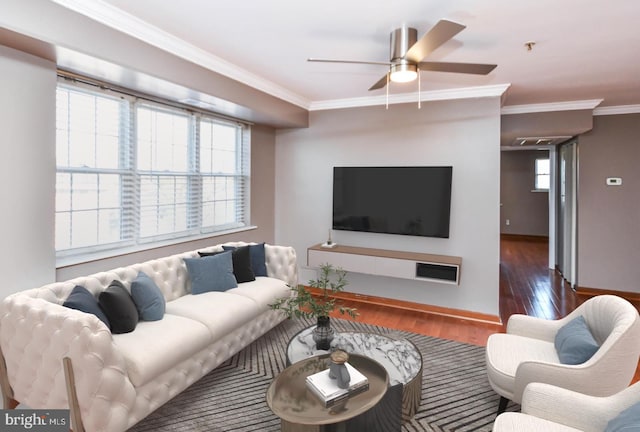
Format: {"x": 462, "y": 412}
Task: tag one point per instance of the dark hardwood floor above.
{"x": 527, "y": 285}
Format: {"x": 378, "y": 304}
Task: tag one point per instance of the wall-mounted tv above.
{"x": 412, "y": 200}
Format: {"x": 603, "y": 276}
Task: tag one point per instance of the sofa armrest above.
{"x": 573, "y": 409}
{"x": 282, "y": 263}
{"x": 36, "y": 335}
{"x": 599, "y": 376}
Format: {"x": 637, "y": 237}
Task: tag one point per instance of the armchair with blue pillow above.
{"x": 594, "y": 350}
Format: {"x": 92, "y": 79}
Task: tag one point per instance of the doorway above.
{"x": 566, "y": 217}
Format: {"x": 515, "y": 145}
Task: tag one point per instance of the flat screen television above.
{"x": 413, "y": 201}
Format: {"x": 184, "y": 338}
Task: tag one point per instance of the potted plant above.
{"x": 304, "y": 303}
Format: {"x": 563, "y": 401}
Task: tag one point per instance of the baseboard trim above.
{"x": 592, "y": 292}
{"x": 416, "y": 307}
{"x": 525, "y": 237}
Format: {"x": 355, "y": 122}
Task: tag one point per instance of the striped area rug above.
{"x": 455, "y": 393}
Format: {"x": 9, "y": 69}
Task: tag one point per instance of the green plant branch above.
{"x": 302, "y": 303}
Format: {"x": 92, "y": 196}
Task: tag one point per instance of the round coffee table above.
{"x": 400, "y": 357}
{"x": 300, "y": 410}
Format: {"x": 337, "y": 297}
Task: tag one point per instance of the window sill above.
{"x": 540, "y": 190}
{"x": 97, "y": 256}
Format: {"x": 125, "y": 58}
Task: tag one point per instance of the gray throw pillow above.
{"x": 81, "y": 299}
{"x": 258, "y": 258}
{"x": 241, "y": 259}
{"x": 574, "y": 342}
{"x": 627, "y": 421}
{"x": 211, "y": 273}
{"x": 148, "y": 298}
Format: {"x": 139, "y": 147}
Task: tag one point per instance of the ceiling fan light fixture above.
{"x": 403, "y": 72}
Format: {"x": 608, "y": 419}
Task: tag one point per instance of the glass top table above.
{"x": 289, "y": 398}
{"x": 400, "y": 357}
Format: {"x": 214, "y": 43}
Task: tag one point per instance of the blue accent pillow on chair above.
{"x": 81, "y": 299}
{"x": 627, "y": 421}
{"x": 211, "y": 273}
{"x": 574, "y": 342}
{"x": 148, "y": 298}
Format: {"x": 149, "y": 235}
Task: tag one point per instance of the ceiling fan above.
{"x": 407, "y": 54}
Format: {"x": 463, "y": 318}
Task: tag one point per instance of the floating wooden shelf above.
{"x": 383, "y": 262}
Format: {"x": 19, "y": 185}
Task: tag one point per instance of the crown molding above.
{"x": 552, "y": 106}
{"x": 117, "y": 19}
{"x": 619, "y": 109}
{"x": 436, "y": 95}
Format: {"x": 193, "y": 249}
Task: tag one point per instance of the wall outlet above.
{"x": 507, "y": 222}
{"x": 614, "y": 181}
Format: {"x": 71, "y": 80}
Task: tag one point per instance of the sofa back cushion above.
{"x": 169, "y": 273}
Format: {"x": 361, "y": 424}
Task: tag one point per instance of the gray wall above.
{"x": 463, "y": 133}
{"x": 527, "y": 211}
{"x": 609, "y": 216}
{"x": 27, "y": 170}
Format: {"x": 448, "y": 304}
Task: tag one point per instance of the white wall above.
{"x": 27, "y": 170}
{"x": 464, "y": 134}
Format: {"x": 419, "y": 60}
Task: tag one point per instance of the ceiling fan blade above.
{"x": 381, "y": 83}
{"x": 468, "y": 68}
{"x": 439, "y": 34}
{"x": 312, "y": 59}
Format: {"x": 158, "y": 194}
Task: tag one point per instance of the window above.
{"x": 543, "y": 174}
{"x": 132, "y": 172}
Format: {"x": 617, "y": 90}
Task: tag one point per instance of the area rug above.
{"x": 456, "y": 395}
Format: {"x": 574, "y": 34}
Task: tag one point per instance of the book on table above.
{"x": 327, "y": 390}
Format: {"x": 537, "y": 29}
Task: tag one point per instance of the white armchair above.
{"x": 553, "y": 409}
{"x": 526, "y": 352}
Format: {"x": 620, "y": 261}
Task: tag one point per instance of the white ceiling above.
{"x": 584, "y": 49}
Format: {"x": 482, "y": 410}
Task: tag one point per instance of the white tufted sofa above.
{"x": 121, "y": 378}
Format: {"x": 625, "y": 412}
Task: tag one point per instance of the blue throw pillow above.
{"x": 258, "y": 258}
{"x": 627, "y": 421}
{"x": 241, "y": 259}
{"x": 211, "y": 273}
{"x": 574, "y": 342}
{"x": 81, "y": 299}
{"x": 148, "y": 298}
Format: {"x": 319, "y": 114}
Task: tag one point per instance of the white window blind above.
{"x": 164, "y": 142}
{"x": 132, "y": 172}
